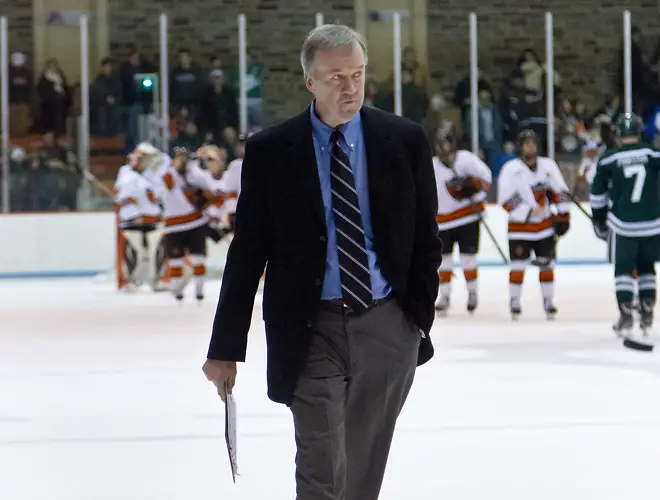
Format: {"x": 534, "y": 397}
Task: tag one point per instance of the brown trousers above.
{"x": 357, "y": 377}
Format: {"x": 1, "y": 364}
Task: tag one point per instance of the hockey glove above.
{"x": 561, "y": 223}
{"x": 601, "y": 229}
{"x": 466, "y": 187}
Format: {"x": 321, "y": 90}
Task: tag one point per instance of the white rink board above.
{"x": 83, "y": 244}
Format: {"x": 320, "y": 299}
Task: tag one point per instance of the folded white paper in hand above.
{"x": 230, "y": 432}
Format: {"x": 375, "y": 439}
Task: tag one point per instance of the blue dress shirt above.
{"x": 353, "y": 145}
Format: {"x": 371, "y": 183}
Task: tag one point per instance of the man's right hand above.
{"x": 222, "y": 374}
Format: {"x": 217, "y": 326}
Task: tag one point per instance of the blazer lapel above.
{"x": 300, "y": 154}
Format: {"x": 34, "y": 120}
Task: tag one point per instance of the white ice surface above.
{"x": 102, "y": 397}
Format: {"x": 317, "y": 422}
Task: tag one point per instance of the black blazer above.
{"x": 280, "y": 225}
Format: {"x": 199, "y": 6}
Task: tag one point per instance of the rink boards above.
{"x": 84, "y": 243}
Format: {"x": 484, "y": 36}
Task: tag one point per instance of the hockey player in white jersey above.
{"x": 527, "y": 188}
{"x": 462, "y": 181}
{"x": 215, "y": 159}
{"x": 185, "y": 189}
{"x": 140, "y": 216}
{"x": 231, "y": 180}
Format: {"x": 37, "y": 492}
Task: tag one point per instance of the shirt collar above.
{"x": 321, "y": 131}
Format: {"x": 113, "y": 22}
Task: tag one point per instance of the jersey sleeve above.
{"x": 513, "y": 195}
{"x": 600, "y": 197}
{"x": 127, "y": 198}
{"x": 562, "y": 198}
{"x": 481, "y": 174}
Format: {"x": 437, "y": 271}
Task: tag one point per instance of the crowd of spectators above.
{"x": 204, "y": 110}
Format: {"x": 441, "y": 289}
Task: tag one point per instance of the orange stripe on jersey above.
{"x": 150, "y": 196}
{"x": 182, "y": 219}
{"x": 460, "y": 213}
{"x": 445, "y": 276}
{"x": 149, "y": 219}
{"x": 470, "y": 274}
{"x": 168, "y": 180}
{"x": 528, "y": 227}
{"x": 199, "y": 270}
{"x": 516, "y": 277}
{"x": 546, "y": 276}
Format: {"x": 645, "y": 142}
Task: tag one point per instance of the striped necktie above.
{"x": 351, "y": 247}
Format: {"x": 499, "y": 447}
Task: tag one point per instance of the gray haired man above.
{"x": 340, "y": 203}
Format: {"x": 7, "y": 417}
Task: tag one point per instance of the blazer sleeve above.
{"x": 245, "y": 263}
{"x": 423, "y": 281}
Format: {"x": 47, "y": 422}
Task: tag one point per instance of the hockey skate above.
{"x": 550, "y": 309}
{"x": 472, "y": 302}
{"x": 646, "y": 312}
{"x": 625, "y": 323}
{"x": 442, "y": 306}
{"x": 514, "y": 307}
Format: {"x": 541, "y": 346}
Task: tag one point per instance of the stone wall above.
{"x": 587, "y": 36}
{"x": 275, "y": 31}
{"x": 588, "y": 39}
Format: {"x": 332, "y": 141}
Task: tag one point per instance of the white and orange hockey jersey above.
{"x": 136, "y": 198}
{"x": 454, "y": 212}
{"x": 222, "y": 202}
{"x": 521, "y": 189}
{"x": 178, "y": 192}
{"x": 231, "y": 184}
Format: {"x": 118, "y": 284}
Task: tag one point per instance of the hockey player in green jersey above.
{"x": 625, "y": 202}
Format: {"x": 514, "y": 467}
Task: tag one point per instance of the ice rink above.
{"x": 102, "y": 397}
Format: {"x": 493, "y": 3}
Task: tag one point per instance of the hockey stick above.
{"x": 577, "y": 203}
{"x": 492, "y": 237}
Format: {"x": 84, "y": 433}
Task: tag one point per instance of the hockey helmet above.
{"x": 524, "y": 136}
{"x": 445, "y": 141}
{"x": 147, "y": 149}
{"x": 628, "y": 125}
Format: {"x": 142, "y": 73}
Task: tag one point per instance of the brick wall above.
{"x": 588, "y": 38}
{"x": 275, "y": 31}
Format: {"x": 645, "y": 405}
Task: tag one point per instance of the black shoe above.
{"x": 200, "y": 297}
{"x": 179, "y": 297}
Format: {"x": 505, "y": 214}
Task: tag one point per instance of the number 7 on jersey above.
{"x": 639, "y": 172}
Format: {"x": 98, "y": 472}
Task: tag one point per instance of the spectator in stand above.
{"x": 491, "y": 128}
{"x": 609, "y": 111}
{"x": 219, "y": 116}
{"x": 645, "y": 83}
{"x": 137, "y": 100}
{"x": 254, "y": 79}
{"x": 414, "y": 100}
{"x": 186, "y": 84}
{"x": 534, "y": 75}
{"x": 20, "y": 95}
{"x": 514, "y": 104}
{"x": 462, "y": 92}
{"x": 188, "y": 138}
{"x": 54, "y": 99}
{"x": 106, "y": 101}
{"x": 419, "y": 72}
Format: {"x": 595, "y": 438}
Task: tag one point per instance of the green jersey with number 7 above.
{"x": 627, "y": 179}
